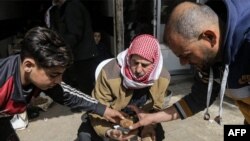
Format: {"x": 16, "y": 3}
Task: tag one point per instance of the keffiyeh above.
{"x": 147, "y": 47}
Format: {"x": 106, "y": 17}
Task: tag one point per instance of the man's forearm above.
{"x": 167, "y": 114}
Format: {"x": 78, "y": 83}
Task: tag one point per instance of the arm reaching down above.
{"x": 153, "y": 118}
{"x": 73, "y": 98}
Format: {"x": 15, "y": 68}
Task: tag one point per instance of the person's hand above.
{"x": 144, "y": 118}
{"x": 148, "y": 133}
{"x": 114, "y": 134}
{"x": 118, "y": 135}
{"x": 113, "y": 115}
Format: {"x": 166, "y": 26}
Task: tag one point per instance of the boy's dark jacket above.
{"x": 14, "y": 98}
{"x": 236, "y": 53}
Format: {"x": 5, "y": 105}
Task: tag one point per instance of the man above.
{"x": 39, "y": 67}
{"x": 215, "y": 38}
{"x": 135, "y": 77}
{"x": 71, "y": 19}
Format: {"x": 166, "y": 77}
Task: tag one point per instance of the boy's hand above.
{"x": 113, "y": 115}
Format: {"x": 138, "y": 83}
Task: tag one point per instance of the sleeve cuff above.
{"x": 100, "y": 109}
{"x": 183, "y": 109}
{"x": 179, "y": 112}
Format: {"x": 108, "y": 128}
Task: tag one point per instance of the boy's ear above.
{"x": 28, "y": 64}
{"x": 209, "y": 36}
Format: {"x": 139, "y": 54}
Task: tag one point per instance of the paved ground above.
{"x": 60, "y": 124}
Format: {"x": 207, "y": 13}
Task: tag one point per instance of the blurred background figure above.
{"x": 72, "y": 21}
{"x": 101, "y": 46}
{"x": 97, "y": 37}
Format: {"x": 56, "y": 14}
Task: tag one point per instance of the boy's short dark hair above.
{"x": 46, "y": 47}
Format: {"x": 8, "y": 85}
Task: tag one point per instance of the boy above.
{"x": 39, "y": 67}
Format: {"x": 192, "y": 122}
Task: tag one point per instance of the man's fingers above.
{"x": 121, "y": 115}
{"x": 135, "y": 126}
{"x": 112, "y": 120}
{"x": 124, "y": 114}
{"x": 116, "y": 118}
{"x": 113, "y": 115}
{"x": 118, "y": 114}
{"x": 154, "y": 138}
{"x": 134, "y": 108}
{"x": 116, "y": 134}
{"x": 131, "y": 134}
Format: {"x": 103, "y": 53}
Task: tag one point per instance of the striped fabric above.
{"x": 183, "y": 109}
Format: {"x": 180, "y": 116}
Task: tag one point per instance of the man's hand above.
{"x": 118, "y": 134}
{"x": 144, "y": 118}
{"x": 113, "y": 115}
{"x": 148, "y": 133}
{"x": 114, "y": 134}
